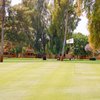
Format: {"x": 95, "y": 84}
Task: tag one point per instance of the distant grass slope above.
{"x": 50, "y": 80}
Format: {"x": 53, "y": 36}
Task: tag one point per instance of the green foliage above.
{"x": 13, "y": 50}
{"x": 57, "y": 27}
{"x": 18, "y": 49}
{"x": 94, "y": 26}
{"x": 28, "y": 24}
{"x": 39, "y": 23}
{"x": 92, "y": 9}
{"x": 18, "y": 25}
{"x": 80, "y": 42}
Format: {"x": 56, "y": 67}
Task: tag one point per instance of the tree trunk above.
{"x": 2, "y": 33}
{"x": 44, "y": 54}
{"x": 66, "y": 30}
{"x": 1, "y": 58}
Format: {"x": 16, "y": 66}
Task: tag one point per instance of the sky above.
{"x": 82, "y": 25}
{"x": 15, "y": 2}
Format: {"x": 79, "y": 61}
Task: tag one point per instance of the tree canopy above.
{"x": 92, "y": 9}
{"x": 94, "y": 26}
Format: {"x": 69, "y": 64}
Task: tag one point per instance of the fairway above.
{"x": 50, "y": 80}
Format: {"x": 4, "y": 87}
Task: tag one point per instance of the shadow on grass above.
{"x": 87, "y": 61}
{"x": 23, "y": 60}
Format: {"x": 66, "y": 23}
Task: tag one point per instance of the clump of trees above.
{"x": 80, "y": 41}
{"x": 35, "y": 23}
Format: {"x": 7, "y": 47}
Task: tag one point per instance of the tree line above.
{"x": 44, "y": 26}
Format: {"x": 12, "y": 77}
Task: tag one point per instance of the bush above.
{"x": 44, "y": 56}
{"x": 92, "y": 59}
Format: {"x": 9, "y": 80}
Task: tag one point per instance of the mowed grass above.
{"x": 35, "y": 79}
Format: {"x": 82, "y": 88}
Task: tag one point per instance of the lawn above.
{"x": 31, "y": 79}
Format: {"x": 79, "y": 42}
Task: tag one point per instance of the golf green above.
{"x": 49, "y": 80}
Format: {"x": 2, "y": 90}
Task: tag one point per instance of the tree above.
{"x": 80, "y": 41}
{"x": 40, "y": 26}
{"x": 18, "y": 28}
{"x": 39, "y": 23}
{"x": 94, "y": 26}
{"x": 91, "y": 7}
{"x": 32, "y": 29}
{"x": 63, "y": 22}
{"x": 2, "y": 29}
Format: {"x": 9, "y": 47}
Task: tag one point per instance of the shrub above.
{"x": 92, "y": 59}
